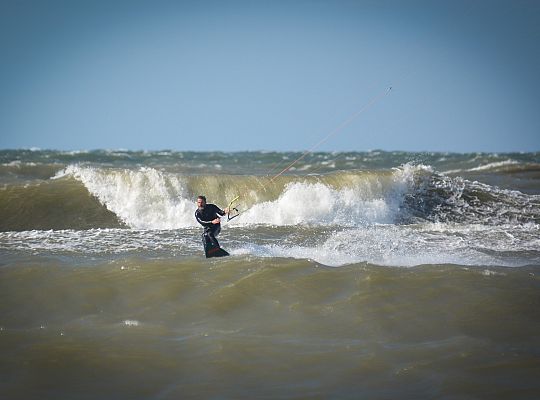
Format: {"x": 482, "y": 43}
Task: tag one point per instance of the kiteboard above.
{"x": 211, "y": 250}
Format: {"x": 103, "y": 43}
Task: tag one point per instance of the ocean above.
{"x": 377, "y": 275}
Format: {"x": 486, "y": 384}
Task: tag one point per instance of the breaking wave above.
{"x": 83, "y": 197}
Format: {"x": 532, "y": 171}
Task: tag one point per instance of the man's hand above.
{"x": 216, "y": 221}
{"x": 226, "y": 210}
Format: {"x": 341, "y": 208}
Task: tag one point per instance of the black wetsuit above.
{"x": 205, "y": 217}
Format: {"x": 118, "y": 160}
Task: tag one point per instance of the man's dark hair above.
{"x": 202, "y": 198}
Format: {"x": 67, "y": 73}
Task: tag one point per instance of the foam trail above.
{"x": 409, "y": 246}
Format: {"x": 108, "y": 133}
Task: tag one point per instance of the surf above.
{"x": 83, "y": 197}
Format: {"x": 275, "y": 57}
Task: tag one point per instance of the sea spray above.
{"x": 143, "y": 199}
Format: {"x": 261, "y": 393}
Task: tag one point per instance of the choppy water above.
{"x": 353, "y": 275}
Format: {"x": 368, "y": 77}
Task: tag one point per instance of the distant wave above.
{"x": 505, "y": 167}
{"x": 19, "y": 170}
{"x": 494, "y": 165}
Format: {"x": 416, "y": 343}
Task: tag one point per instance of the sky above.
{"x": 270, "y": 75}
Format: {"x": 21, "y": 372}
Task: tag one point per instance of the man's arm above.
{"x": 219, "y": 211}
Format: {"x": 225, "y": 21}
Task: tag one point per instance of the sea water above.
{"x": 352, "y": 275}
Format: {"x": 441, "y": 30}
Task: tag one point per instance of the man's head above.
{"x": 201, "y": 202}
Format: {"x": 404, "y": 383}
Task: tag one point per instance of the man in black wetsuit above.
{"x": 208, "y": 215}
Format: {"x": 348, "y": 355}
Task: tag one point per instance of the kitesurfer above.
{"x": 208, "y": 215}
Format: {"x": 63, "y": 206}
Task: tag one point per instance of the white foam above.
{"x": 144, "y": 199}
{"x": 494, "y": 165}
{"x": 19, "y": 163}
{"x": 316, "y": 204}
{"x": 102, "y": 241}
{"x": 488, "y": 272}
{"x": 411, "y": 245}
{"x": 320, "y": 204}
{"x": 452, "y": 171}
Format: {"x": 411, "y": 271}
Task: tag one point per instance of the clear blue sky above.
{"x": 270, "y": 75}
